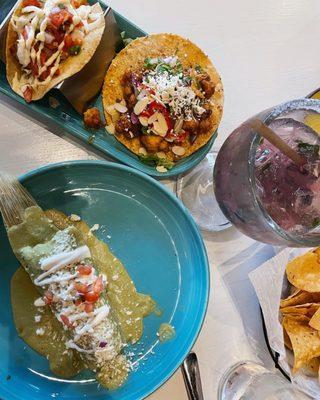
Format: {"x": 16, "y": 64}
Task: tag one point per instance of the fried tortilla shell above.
{"x": 69, "y": 67}
{"x": 154, "y": 46}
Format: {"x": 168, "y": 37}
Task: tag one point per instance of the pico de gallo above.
{"x": 165, "y": 106}
{"x": 49, "y": 32}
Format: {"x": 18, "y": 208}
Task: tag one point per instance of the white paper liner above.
{"x": 270, "y": 284}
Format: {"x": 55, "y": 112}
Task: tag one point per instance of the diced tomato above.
{"x": 66, "y": 320}
{"x": 57, "y": 73}
{"x": 44, "y": 75}
{"x": 43, "y": 57}
{"x": 25, "y": 32}
{"x": 78, "y": 3}
{"x": 78, "y": 42}
{"x": 35, "y": 3}
{"x": 98, "y": 285}
{"x": 157, "y": 107}
{"x": 48, "y": 297}
{"x": 88, "y": 307}
{"x": 68, "y": 41}
{"x": 168, "y": 120}
{"x": 180, "y": 138}
{"x": 13, "y": 50}
{"x": 154, "y": 107}
{"x": 79, "y": 25}
{"x": 58, "y": 36}
{"x": 59, "y": 18}
{"x": 52, "y": 46}
{"x": 34, "y": 68}
{"x": 81, "y": 287}
{"x": 84, "y": 269}
{"x": 27, "y": 94}
{"x": 91, "y": 297}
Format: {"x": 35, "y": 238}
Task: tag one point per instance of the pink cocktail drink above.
{"x": 290, "y": 195}
{"x": 261, "y": 191}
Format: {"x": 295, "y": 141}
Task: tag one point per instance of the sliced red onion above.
{"x": 134, "y": 118}
{"x": 102, "y": 344}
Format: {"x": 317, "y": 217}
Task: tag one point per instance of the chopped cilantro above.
{"x": 74, "y": 50}
{"x": 198, "y": 68}
{"x": 307, "y": 148}
{"x": 91, "y": 139}
{"x": 144, "y": 130}
{"x": 165, "y": 163}
{"x": 150, "y": 63}
{"x": 61, "y": 6}
{"x": 179, "y": 68}
{"x": 161, "y": 68}
{"x": 315, "y": 222}
{"x": 125, "y": 40}
{"x": 154, "y": 160}
{"x": 266, "y": 166}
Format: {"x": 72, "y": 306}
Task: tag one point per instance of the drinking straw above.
{"x": 264, "y": 131}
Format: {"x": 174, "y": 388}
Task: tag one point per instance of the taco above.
{"x": 163, "y": 98}
{"x": 48, "y": 41}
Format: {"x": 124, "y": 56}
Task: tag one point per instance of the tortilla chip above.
{"x": 69, "y": 67}
{"x": 311, "y": 367}
{"x": 300, "y": 297}
{"x": 161, "y": 45}
{"x": 286, "y": 339}
{"x": 304, "y": 272}
{"x": 315, "y": 321}
{"x": 305, "y": 340}
{"x": 308, "y": 309}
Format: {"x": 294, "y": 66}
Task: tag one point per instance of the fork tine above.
{"x": 14, "y": 199}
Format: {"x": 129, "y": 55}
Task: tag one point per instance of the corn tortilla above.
{"x": 69, "y": 67}
{"x": 155, "y": 46}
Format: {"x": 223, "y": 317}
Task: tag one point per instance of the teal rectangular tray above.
{"x": 65, "y": 121}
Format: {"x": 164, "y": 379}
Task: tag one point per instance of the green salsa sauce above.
{"x": 166, "y": 332}
{"x": 128, "y": 309}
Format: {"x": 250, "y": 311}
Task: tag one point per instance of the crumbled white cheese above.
{"x": 115, "y": 277}
{"x": 95, "y": 227}
{"x": 161, "y": 168}
{"x": 40, "y": 331}
{"x": 172, "y": 91}
{"x": 37, "y": 318}
{"x": 75, "y": 218}
{"x": 39, "y": 302}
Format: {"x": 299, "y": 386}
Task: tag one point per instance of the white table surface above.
{"x": 266, "y": 52}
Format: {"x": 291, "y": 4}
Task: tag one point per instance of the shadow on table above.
{"x": 234, "y": 273}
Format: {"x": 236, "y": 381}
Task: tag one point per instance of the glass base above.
{"x": 250, "y": 381}
{"x": 195, "y": 190}
{"x": 236, "y": 380}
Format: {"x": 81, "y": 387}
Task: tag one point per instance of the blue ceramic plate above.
{"x": 154, "y": 236}
{"x": 65, "y": 120}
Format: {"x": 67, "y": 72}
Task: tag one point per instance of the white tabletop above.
{"x": 266, "y": 52}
